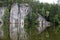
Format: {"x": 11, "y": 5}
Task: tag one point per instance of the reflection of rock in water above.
{"x": 17, "y": 15}
{"x": 1, "y": 15}
{"x": 1, "y": 21}
{"x": 43, "y": 24}
{"x": 1, "y": 33}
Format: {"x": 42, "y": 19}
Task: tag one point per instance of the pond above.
{"x": 51, "y": 33}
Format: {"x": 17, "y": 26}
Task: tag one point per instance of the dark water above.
{"x": 51, "y": 33}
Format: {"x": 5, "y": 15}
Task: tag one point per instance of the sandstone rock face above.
{"x": 17, "y": 15}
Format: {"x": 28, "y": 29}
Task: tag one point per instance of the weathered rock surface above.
{"x": 13, "y": 20}
{"x": 17, "y": 15}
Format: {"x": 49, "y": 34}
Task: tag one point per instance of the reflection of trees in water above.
{"x": 50, "y": 33}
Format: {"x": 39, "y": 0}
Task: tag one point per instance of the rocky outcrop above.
{"x": 17, "y": 15}
{"x": 43, "y": 24}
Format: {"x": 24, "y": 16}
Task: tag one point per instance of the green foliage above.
{"x": 31, "y": 21}
{"x": 52, "y": 15}
{"x": 6, "y": 24}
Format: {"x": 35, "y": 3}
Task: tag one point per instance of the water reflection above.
{"x": 50, "y": 33}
